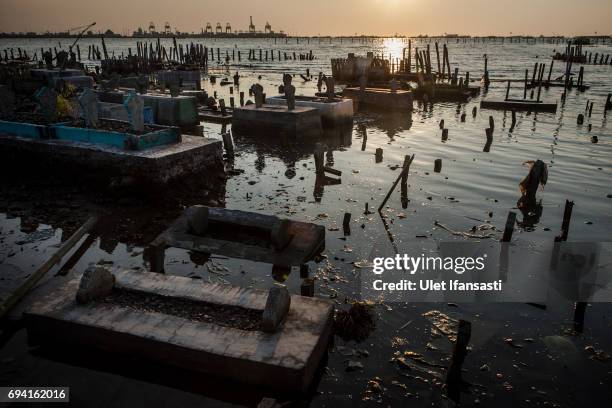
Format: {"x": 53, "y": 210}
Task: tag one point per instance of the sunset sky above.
{"x": 313, "y": 17}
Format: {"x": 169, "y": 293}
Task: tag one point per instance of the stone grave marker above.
{"x": 259, "y": 97}
{"x": 289, "y": 92}
{"x": 142, "y": 84}
{"x": 174, "y": 87}
{"x": 330, "y": 84}
{"x": 363, "y": 83}
{"x": 47, "y": 103}
{"x": 88, "y": 101}
{"x": 135, "y": 107}
{"x": 394, "y": 85}
{"x": 320, "y": 82}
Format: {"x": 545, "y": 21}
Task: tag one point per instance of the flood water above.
{"x": 545, "y": 364}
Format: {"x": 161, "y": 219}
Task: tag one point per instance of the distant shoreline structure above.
{"x": 281, "y": 35}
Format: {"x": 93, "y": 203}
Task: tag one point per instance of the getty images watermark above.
{"x": 420, "y": 264}
{"x": 491, "y": 272}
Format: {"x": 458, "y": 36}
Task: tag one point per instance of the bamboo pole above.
{"x": 40, "y": 272}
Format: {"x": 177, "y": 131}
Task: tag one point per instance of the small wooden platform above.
{"x": 557, "y": 84}
{"x": 240, "y": 234}
{"x": 519, "y": 105}
{"x": 285, "y": 360}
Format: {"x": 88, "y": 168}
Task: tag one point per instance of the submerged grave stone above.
{"x": 135, "y": 106}
{"x": 276, "y": 309}
{"x": 47, "y": 103}
{"x": 88, "y": 101}
{"x": 97, "y": 281}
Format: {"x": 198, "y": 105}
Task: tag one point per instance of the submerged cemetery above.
{"x": 192, "y": 220}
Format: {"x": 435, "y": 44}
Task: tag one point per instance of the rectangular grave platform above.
{"x": 336, "y": 112}
{"x": 277, "y": 121}
{"x": 192, "y": 77}
{"x": 240, "y": 234}
{"x": 48, "y": 74}
{"x": 285, "y": 360}
{"x": 380, "y": 98}
{"x": 27, "y": 130}
{"x": 519, "y": 105}
{"x": 158, "y": 164}
{"x": 159, "y": 136}
{"x": 173, "y": 111}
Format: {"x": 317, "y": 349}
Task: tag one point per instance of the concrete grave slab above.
{"x": 277, "y": 121}
{"x": 286, "y": 359}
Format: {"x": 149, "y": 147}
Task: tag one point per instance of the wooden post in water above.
{"x": 567, "y": 217}
{"x": 453, "y": 376}
{"x": 509, "y": 229}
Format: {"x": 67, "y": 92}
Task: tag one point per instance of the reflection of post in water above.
{"x": 329, "y": 157}
{"x": 579, "y": 307}
{"x": 404, "y": 177}
{"x": 363, "y": 131}
{"x": 320, "y": 182}
{"x": 404, "y": 184}
{"x": 260, "y": 162}
{"x": 320, "y": 169}
{"x": 504, "y": 255}
{"x": 453, "y": 376}
{"x": 579, "y": 311}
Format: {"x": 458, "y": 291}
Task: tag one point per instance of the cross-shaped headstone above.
{"x": 47, "y": 103}
{"x": 135, "y": 106}
{"x": 330, "y": 84}
{"x": 88, "y": 102}
{"x": 258, "y": 92}
{"x": 7, "y": 101}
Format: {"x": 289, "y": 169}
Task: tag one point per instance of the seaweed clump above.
{"x": 356, "y": 323}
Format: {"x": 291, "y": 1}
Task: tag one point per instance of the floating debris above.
{"x": 357, "y": 323}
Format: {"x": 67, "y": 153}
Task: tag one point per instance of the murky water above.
{"x": 549, "y": 367}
